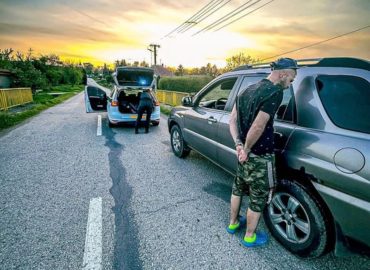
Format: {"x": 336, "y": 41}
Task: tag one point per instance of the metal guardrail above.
{"x": 170, "y": 97}
{"x": 11, "y": 97}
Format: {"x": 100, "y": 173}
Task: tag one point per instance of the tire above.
{"x": 155, "y": 123}
{"x": 178, "y": 144}
{"x": 297, "y": 219}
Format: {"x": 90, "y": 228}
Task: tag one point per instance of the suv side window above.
{"x": 287, "y": 107}
{"x": 346, "y": 100}
{"x": 248, "y": 81}
{"x": 218, "y": 94}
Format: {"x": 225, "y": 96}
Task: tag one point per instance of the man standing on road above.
{"x": 251, "y": 126}
{"x": 145, "y": 106}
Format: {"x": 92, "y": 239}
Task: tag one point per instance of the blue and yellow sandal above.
{"x": 232, "y": 228}
{"x": 257, "y": 240}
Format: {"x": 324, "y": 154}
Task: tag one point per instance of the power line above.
{"x": 243, "y": 16}
{"x": 317, "y": 43}
{"x": 195, "y": 17}
{"x": 89, "y": 16}
{"x": 228, "y": 16}
{"x": 190, "y": 18}
{"x": 199, "y": 20}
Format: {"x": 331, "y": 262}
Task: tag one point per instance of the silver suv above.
{"x": 322, "y": 139}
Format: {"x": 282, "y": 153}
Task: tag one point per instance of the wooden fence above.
{"x": 11, "y": 97}
{"x": 170, "y": 97}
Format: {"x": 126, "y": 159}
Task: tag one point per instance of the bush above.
{"x": 187, "y": 84}
{"x": 27, "y": 76}
{"x": 72, "y": 75}
{"x": 54, "y": 75}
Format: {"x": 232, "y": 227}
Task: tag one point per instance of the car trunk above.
{"x": 128, "y": 102}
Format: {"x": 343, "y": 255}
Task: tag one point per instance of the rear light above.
{"x": 114, "y": 103}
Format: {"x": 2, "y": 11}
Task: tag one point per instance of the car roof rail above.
{"x": 344, "y": 62}
{"x": 300, "y": 62}
{"x": 347, "y": 62}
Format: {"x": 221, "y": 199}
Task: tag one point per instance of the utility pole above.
{"x": 153, "y": 48}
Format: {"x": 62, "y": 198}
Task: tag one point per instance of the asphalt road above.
{"x": 158, "y": 211}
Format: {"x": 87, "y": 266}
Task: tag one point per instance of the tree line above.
{"x": 39, "y": 72}
{"x": 48, "y": 70}
{"x": 232, "y": 62}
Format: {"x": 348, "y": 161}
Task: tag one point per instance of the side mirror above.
{"x": 187, "y": 101}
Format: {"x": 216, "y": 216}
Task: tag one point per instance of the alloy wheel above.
{"x": 289, "y": 218}
{"x": 176, "y": 140}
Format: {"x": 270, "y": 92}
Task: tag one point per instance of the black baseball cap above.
{"x": 284, "y": 63}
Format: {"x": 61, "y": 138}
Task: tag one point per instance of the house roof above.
{"x": 162, "y": 71}
{"x": 5, "y": 72}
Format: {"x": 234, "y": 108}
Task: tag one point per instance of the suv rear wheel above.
{"x": 177, "y": 142}
{"x": 298, "y": 220}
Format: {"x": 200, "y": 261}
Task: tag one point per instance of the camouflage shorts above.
{"x": 256, "y": 177}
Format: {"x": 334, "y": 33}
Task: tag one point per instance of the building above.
{"x": 161, "y": 71}
{"x": 6, "y": 78}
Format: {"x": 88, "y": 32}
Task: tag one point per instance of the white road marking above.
{"x": 98, "y": 131}
{"x": 93, "y": 244}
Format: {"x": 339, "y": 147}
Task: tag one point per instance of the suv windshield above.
{"x": 135, "y": 77}
{"x": 346, "y": 100}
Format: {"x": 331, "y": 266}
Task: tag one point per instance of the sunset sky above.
{"x": 101, "y": 31}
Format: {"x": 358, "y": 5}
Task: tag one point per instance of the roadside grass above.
{"x": 41, "y": 101}
{"x": 165, "y": 109}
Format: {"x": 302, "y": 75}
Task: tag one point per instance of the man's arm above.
{"x": 234, "y": 126}
{"x": 254, "y": 133}
{"x": 256, "y": 130}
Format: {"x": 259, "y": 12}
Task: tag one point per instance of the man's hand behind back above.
{"x": 243, "y": 156}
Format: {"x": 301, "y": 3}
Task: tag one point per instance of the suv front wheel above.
{"x": 177, "y": 142}
{"x": 298, "y": 220}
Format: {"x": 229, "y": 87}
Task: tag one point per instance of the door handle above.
{"x": 212, "y": 120}
{"x": 279, "y": 135}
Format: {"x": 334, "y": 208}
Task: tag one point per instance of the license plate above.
{"x": 135, "y": 116}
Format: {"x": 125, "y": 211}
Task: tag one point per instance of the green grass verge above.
{"x": 165, "y": 110}
{"x": 41, "y": 101}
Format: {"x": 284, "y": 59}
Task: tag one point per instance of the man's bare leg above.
{"x": 252, "y": 222}
{"x": 234, "y": 209}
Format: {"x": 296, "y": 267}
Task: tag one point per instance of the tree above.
{"x": 105, "y": 69}
{"x": 239, "y": 60}
{"x": 123, "y": 63}
{"x": 144, "y": 64}
{"x": 179, "y": 71}
{"x": 194, "y": 71}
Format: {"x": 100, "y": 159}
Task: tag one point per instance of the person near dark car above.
{"x": 251, "y": 127}
{"x": 145, "y": 106}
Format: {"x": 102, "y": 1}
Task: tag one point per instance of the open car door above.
{"x": 96, "y": 97}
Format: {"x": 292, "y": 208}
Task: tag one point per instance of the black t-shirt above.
{"x": 145, "y": 95}
{"x": 262, "y": 96}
